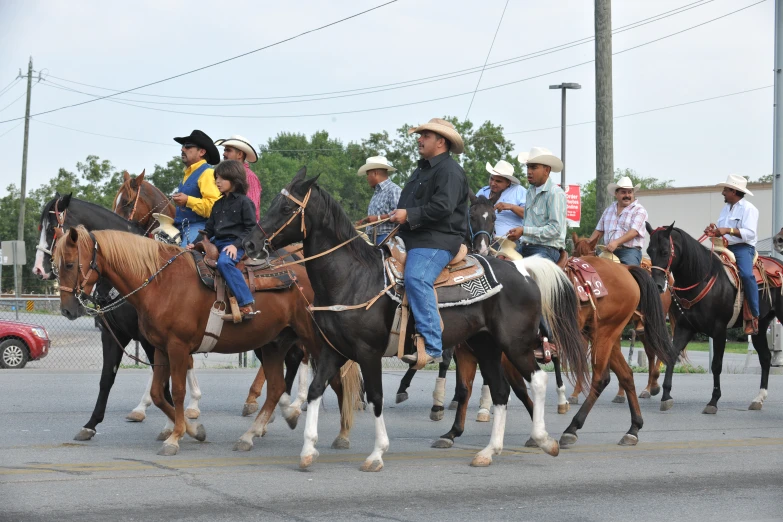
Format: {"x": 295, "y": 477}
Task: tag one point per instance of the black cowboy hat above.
{"x": 202, "y": 141}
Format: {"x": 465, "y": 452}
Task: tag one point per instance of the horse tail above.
{"x": 560, "y": 309}
{"x": 351, "y": 381}
{"x": 656, "y": 334}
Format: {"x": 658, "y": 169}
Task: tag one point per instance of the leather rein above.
{"x": 686, "y": 303}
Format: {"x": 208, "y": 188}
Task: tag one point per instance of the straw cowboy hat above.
{"x": 505, "y": 169}
{"x": 624, "y": 183}
{"x": 202, "y": 141}
{"x": 542, "y": 156}
{"x": 240, "y": 143}
{"x": 376, "y": 162}
{"x": 166, "y": 225}
{"x": 445, "y": 129}
{"x": 736, "y": 182}
{"x": 605, "y": 254}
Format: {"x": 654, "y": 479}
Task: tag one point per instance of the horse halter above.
{"x": 78, "y": 289}
{"x": 671, "y": 257}
{"x": 299, "y": 210}
{"x": 60, "y": 216}
{"x": 135, "y": 203}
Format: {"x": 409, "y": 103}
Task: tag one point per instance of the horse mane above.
{"x": 338, "y": 221}
{"x": 695, "y": 259}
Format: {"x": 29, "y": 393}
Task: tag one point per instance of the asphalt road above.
{"x": 687, "y": 466}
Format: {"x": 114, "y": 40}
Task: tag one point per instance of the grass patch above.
{"x": 679, "y": 368}
{"x": 740, "y": 348}
{"x": 133, "y": 366}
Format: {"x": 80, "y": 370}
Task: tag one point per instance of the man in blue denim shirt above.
{"x": 433, "y": 218}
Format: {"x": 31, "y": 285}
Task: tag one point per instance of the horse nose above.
{"x": 250, "y": 246}
{"x": 660, "y": 287}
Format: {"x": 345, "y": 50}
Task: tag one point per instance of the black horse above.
{"x": 506, "y": 323}
{"x": 695, "y": 268}
{"x": 66, "y": 211}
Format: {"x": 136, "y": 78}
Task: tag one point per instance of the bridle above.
{"x": 60, "y": 216}
{"x": 135, "y": 202}
{"x": 78, "y": 289}
{"x": 710, "y": 280}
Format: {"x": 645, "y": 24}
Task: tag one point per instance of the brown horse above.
{"x": 137, "y": 199}
{"x": 157, "y": 279}
{"x": 585, "y": 248}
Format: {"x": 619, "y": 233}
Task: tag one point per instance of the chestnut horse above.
{"x": 137, "y": 200}
{"x": 156, "y": 278}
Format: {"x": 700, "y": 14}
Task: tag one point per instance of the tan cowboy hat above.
{"x": 623, "y": 183}
{"x": 505, "y": 169}
{"x": 542, "y": 156}
{"x": 376, "y": 162}
{"x": 166, "y": 225}
{"x": 604, "y": 253}
{"x": 445, "y": 129}
{"x": 508, "y": 249}
{"x": 737, "y": 183}
{"x": 241, "y": 143}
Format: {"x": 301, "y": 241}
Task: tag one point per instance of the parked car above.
{"x": 22, "y": 342}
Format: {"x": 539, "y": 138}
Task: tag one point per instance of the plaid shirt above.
{"x": 545, "y": 216}
{"x": 614, "y": 227}
{"x": 384, "y": 200}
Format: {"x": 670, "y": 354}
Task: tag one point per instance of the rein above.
{"x": 710, "y": 282}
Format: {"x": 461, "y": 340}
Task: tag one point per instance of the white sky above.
{"x": 123, "y": 45}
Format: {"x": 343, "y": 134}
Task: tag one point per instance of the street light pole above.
{"x": 563, "y": 87}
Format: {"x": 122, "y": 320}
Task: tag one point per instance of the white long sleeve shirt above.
{"x": 743, "y": 216}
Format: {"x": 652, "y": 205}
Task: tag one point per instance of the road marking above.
{"x": 457, "y": 453}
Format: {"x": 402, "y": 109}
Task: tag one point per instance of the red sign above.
{"x": 573, "y": 206}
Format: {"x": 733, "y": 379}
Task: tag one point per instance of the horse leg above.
{"x": 624, "y": 375}
{"x": 158, "y": 394}
{"x": 439, "y": 394}
{"x": 492, "y": 372}
{"x": 719, "y": 347}
{"x": 371, "y": 370}
{"x": 653, "y": 371}
{"x": 620, "y": 397}
{"x": 274, "y": 355}
{"x": 485, "y": 402}
{"x": 466, "y": 372}
{"x": 402, "y": 391}
{"x": 765, "y": 359}
{"x": 328, "y": 366}
{"x": 178, "y": 355}
{"x": 192, "y": 411}
{"x": 518, "y": 386}
{"x": 112, "y": 355}
{"x": 443, "y": 368}
{"x": 682, "y": 337}
{"x": 292, "y": 411}
{"x": 251, "y": 402}
{"x": 562, "y": 401}
{"x": 139, "y": 413}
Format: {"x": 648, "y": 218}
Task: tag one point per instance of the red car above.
{"x": 22, "y": 342}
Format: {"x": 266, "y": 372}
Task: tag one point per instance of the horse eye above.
{"x": 68, "y": 265}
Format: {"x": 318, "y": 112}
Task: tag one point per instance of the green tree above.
{"x": 764, "y": 179}
{"x": 168, "y": 177}
{"x": 9, "y": 209}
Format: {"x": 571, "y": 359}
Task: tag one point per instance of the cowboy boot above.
{"x": 248, "y": 312}
{"x": 638, "y": 322}
{"x": 752, "y": 326}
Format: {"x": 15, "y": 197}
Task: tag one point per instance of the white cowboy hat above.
{"x": 542, "y": 156}
{"x": 624, "y": 183}
{"x": 376, "y": 162}
{"x": 241, "y": 143}
{"x": 445, "y": 129}
{"x": 737, "y": 183}
{"x": 505, "y": 169}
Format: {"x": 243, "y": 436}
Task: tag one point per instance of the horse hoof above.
{"x": 629, "y": 440}
{"x": 530, "y": 443}
{"x": 307, "y": 460}
{"x": 136, "y": 416}
{"x": 567, "y": 439}
{"x": 645, "y": 395}
{"x": 619, "y": 399}
{"x": 201, "y": 433}
{"x": 655, "y": 390}
{"x": 453, "y": 405}
{"x": 168, "y": 450}
{"x": 243, "y": 445}
{"x": 372, "y": 465}
{"x": 436, "y": 415}
{"x": 361, "y": 406}
{"x": 163, "y": 435}
{"x": 341, "y": 443}
{"x": 710, "y": 410}
{"x": 443, "y": 443}
{"x": 551, "y": 447}
{"x": 249, "y": 408}
{"x": 192, "y": 413}
{"x": 483, "y": 416}
{"x": 84, "y": 434}
{"x": 754, "y": 406}
{"x": 401, "y": 397}
{"x": 667, "y": 404}
{"x": 293, "y": 420}
{"x": 563, "y": 408}
{"x": 480, "y": 461}
{"x": 574, "y": 399}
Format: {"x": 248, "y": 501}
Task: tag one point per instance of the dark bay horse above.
{"x": 695, "y": 268}
{"x": 138, "y": 200}
{"x": 352, "y": 272}
{"x": 156, "y": 279}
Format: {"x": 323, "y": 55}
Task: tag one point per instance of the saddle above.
{"x": 460, "y": 269}
{"x": 587, "y": 282}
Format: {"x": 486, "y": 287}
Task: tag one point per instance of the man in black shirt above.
{"x": 433, "y": 215}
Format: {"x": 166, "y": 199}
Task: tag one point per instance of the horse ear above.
{"x": 670, "y": 228}
{"x": 73, "y": 234}
{"x": 301, "y": 175}
{"x": 310, "y": 182}
{"x": 65, "y": 200}
{"x": 140, "y": 177}
{"x": 125, "y": 175}
{"x": 650, "y": 229}
{"x": 574, "y": 237}
{"x": 472, "y": 197}
{"x": 593, "y": 243}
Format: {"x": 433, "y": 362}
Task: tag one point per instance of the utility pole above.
{"x": 563, "y": 88}
{"x": 777, "y": 164}
{"x": 604, "y": 150}
{"x": 23, "y": 189}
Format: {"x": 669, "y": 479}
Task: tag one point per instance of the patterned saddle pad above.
{"x": 586, "y": 280}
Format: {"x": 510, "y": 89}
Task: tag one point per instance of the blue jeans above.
{"x": 381, "y": 237}
{"x": 191, "y": 228}
{"x": 629, "y": 256}
{"x": 744, "y": 254}
{"x": 547, "y": 252}
{"x": 228, "y": 269}
{"x": 421, "y": 270}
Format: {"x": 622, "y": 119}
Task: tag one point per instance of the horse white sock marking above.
{"x": 439, "y": 394}
{"x": 304, "y": 385}
{"x": 195, "y": 390}
{"x": 561, "y": 395}
{"x": 39, "y": 255}
{"x": 381, "y": 439}
{"x": 498, "y": 433}
{"x": 311, "y": 428}
{"x": 538, "y": 386}
{"x": 761, "y": 397}
{"x": 485, "y": 402}
{"x": 146, "y": 399}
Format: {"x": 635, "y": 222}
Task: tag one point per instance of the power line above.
{"x": 102, "y": 135}
{"x": 396, "y": 85}
{"x": 486, "y": 59}
{"x": 12, "y": 128}
{"x": 16, "y": 100}
{"x": 10, "y": 85}
{"x": 219, "y": 62}
{"x": 647, "y": 110}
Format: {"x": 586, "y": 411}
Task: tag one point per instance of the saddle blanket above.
{"x": 587, "y": 282}
{"x": 258, "y": 278}
{"x": 471, "y": 286}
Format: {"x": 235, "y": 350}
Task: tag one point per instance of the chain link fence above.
{"x": 76, "y": 345}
